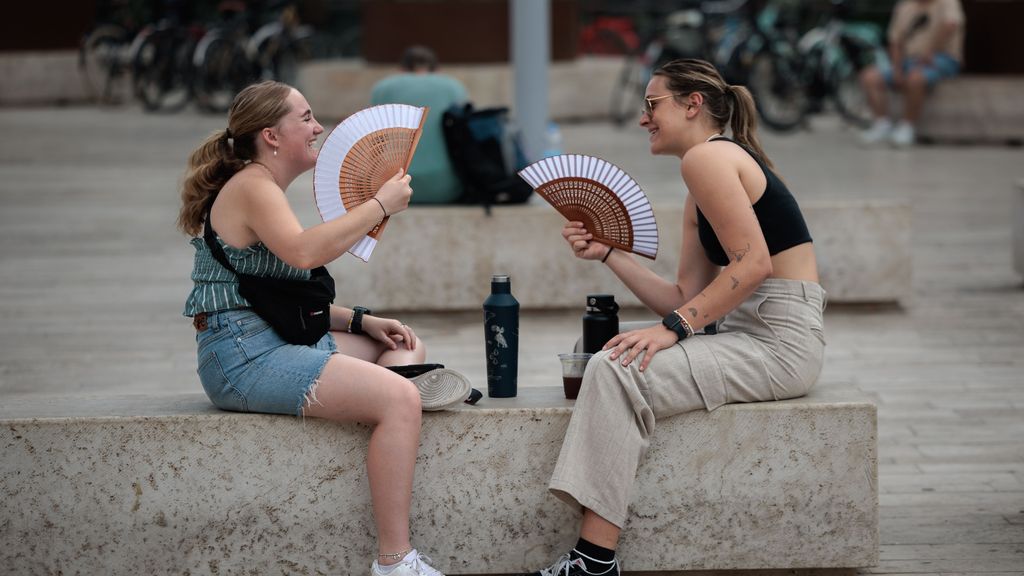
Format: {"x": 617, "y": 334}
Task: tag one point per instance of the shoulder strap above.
{"x": 222, "y": 258}
{"x": 215, "y": 249}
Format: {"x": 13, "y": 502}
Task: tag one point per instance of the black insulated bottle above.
{"x": 601, "y": 321}
{"x": 501, "y": 337}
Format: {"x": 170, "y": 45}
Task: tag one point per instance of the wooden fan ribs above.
{"x": 611, "y": 205}
{"x": 371, "y": 162}
{"x": 600, "y": 210}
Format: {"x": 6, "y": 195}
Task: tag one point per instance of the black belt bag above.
{"x": 298, "y": 310}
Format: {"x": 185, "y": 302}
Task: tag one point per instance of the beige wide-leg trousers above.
{"x": 770, "y": 348}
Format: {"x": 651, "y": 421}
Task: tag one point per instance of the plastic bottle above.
{"x": 552, "y": 140}
{"x": 600, "y": 322}
{"x": 501, "y": 336}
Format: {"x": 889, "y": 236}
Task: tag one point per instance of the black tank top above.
{"x": 777, "y": 212}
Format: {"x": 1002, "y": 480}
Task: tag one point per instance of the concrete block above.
{"x": 337, "y": 88}
{"x": 123, "y": 485}
{"x": 447, "y": 254}
{"x": 34, "y": 78}
{"x": 975, "y": 109}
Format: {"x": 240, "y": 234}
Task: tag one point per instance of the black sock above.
{"x": 597, "y": 558}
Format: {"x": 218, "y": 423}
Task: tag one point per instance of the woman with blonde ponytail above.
{"x": 235, "y": 186}
{"x": 742, "y": 319}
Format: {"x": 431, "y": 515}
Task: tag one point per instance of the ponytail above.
{"x": 225, "y": 152}
{"x": 744, "y": 122}
{"x": 209, "y": 167}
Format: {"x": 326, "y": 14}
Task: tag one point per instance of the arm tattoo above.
{"x": 693, "y": 312}
{"x": 735, "y": 282}
{"x": 739, "y": 254}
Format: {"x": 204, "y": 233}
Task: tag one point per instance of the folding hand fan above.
{"x": 359, "y": 156}
{"x": 610, "y": 204}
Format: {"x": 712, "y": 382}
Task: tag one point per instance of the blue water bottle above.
{"x": 501, "y": 336}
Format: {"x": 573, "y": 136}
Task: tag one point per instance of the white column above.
{"x": 531, "y": 53}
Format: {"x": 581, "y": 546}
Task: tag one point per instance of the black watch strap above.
{"x": 356, "y": 326}
{"x": 674, "y": 322}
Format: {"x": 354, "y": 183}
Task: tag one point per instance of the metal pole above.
{"x": 531, "y": 53}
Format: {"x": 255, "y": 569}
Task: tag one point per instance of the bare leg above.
{"x": 915, "y": 88}
{"x": 873, "y": 83}
{"x": 597, "y": 530}
{"x": 374, "y": 351}
{"x": 353, "y": 390}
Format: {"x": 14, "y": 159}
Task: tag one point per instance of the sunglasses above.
{"x": 648, "y": 107}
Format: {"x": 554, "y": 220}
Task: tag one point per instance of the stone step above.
{"x": 975, "y": 109}
{"x": 448, "y": 254}
{"x": 120, "y": 485}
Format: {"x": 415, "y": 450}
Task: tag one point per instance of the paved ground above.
{"x": 93, "y": 275}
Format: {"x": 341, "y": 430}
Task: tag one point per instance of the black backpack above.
{"x": 486, "y": 155}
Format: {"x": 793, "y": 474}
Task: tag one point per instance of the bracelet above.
{"x": 381, "y": 206}
{"x": 395, "y": 556}
{"x": 686, "y": 324}
{"x": 607, "y": 254}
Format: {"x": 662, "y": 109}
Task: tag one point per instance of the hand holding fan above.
{"x": 608, "y": 201}
{"x": 359, "y": 156}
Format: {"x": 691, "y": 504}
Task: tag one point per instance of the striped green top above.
{"x": 216, "y": 288}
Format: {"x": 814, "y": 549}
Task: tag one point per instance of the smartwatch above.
{"x": 676, "y": 323}
{"x": 355, "y": 324}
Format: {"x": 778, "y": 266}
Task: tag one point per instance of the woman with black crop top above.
{"x": 746, "y": 267}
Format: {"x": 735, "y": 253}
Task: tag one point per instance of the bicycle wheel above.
{"x": 778, "y": 90}
{"x": 162, "y": 75}
{"x": 222, "y": 69}
{"x": 276, "y": 52}
{"x": 100, "y": 63}
{"x": 628, "y": 91}
{"x": 848, "y": 95}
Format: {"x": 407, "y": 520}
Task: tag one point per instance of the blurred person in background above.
{"x": 419, "y": 84}
{"x": 926, "y": 45}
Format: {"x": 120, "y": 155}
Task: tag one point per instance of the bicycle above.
{"x": 162, "y": 65}
{"x": 834, "y": 53}
{"x": 277, "y": 47}
{"x": 104, "y": 54}
{"x": 670, "y": 34}
{"x": 221, "y": 62}
{"x": 764, "y": 57}
{"x": 709, "y": 29}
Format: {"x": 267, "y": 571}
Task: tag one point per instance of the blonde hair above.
{"x": 225, "y": 152}
{"x": 727, "y": 105}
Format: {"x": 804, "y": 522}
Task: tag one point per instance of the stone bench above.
{"x": 975, "y": 109}
{"x": 446, "y": 255}
{"x": 123, "y": 485}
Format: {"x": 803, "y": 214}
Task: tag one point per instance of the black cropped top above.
{"x": 777, "y": 212}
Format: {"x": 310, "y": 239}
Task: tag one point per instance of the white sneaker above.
{"x": 414, "y": 564}
{"x": 878, "y": 132}
{"x": 441, "y": 388}
{"x": 903, "y": 135}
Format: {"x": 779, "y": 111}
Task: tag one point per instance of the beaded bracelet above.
{"x": 686, "y": 324}
{"x": 394, "y": 556}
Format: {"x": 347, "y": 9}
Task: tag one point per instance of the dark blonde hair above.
{"x": 727, "y": 105}
{"x": 225, "y": 152}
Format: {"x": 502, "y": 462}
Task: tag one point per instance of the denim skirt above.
{"x": 246, "y": 367}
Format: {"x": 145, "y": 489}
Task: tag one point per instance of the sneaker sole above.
{"x": 441, "y": 388}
